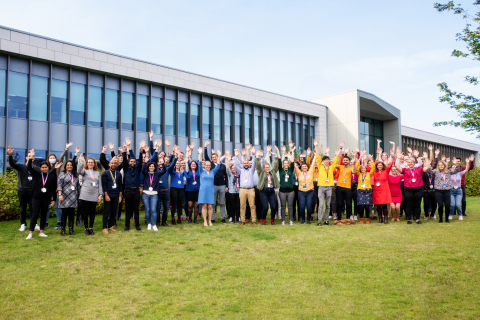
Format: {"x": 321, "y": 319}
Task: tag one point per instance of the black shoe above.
{"x": 327, "y": 223}
{"x": 440, "y": 220}
{"x": 401, "y": 215}
{"x": 419, "y": 222}
{"x": 126, "y": 229}
{"x": 303, "y": 222}
{"x": 63, "y": 233}
{"x": 447, "y": 220}
{"x": 319, "y": 224}
{"x": 70, "y": 231}
{"x": 409, "y": 222}
{"x": 46, "y": 225}
{"x": 189, "y": 221}
{"x": 308, "y": 221}
{"x": 138, "y": 228}
{"x": 213, "y": 221}
{"x": 91, "y": 232}
{"x": 464, "y": 215}
{"x": 195, "y": 221}
{"x": 223, "y": 221}
{"x": 87, "y": 232}
{"x": 165, "y": 224}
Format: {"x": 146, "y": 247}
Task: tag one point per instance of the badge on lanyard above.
{"x": 44, "y": 181}
{"x": 150, "y": 189}
{"x": 378, "y": 184}
{"x": 29, "y": 178}
{"x": 44, "y": 190}
{"x": 344, "y": 180}
{"x": 431, "y": 186}
{"x": 327, "y": 180}
{"x": 93, "y": 183}
{"x": 72, "y": 187}
{"x": 362, "y": 186}
{"x": 194, "y": 182}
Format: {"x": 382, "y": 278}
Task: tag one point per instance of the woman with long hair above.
{"x": 364, "y": 189}
{"x": 381, "y": 192}
{"x": 151, "y": 186}
{"x": 394, "y": 180}
{"x": 267, "y": 183}
{"x": 456, "y": 193}
{"x": 68, "y": 189}
{"x": 177, "y": 187}
{"x": 192, "y": 188}
{"x": 287, "y": 181}
{"x": 233, "y": 197}
{"x": 91, "y": 192}
{"x": 305, "y": 191}
{"x": 206, "y": 193}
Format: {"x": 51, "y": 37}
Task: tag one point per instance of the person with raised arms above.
{"x": 192, "y": 187}
{"x": 91, "y": 191}
{"x": 68, "y": 189}
{"x": 267, "y": 183}
{"x": 247, "y": 191}
{"x": 206, "y": 196}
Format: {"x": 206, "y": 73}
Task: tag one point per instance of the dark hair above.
{"x": 190, "y": 165}
{"x": 380, "y": 162}
{"x": 45, "y": 163}
{"x": 148, "y": 166}
{"x": 325, "y": 158}
{"x": 51, "y": 154}
{"x": 74, "y": 170}
{"x": 346, "y": 157}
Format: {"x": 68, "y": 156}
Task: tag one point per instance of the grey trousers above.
{"x": 219, "y": 192}
{"x": 279, "y": 204}
{"x": 284, "y": 198}
{"x": 324, "y": 195}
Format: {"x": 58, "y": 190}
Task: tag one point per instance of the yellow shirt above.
{"x": 325, "y": 173}
{"x": 364, "y": 179}
{"x": 345, "y": 174}
{"x": 301, "y": 179}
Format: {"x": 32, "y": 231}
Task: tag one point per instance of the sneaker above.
{"x": 104, "y": 231}
{"x": 426, "y": 218}
{"x": 155, "y": 228}
{"x": 138, "y": 228}
{"x": 327, "y": 223}
{"x": 329, "y": 217}
{"x": 149, "y": 227}
{"x": 460, "y": 217}
{"x": 230, "y": 219}
{"x": 30, "y": 235}
{"x": 43, "y": 235}
{"x": 319, "y": 223}
{"x": 126, "y": 229}
{"x": 355, "y": 218}
{"x": 434, "y": 217}
{"x": 303, "y": 222}
{"x": 37, "y": 227}
{"x": 283, "y": 223}
{"x": 46, "y": 225}
{"x": 291, "y": 223}
{"x": 264, "y": 222}
{"x": 419, "y": 222}
{"x": 450, "y": 217}
{"x": 464, "y": 215}
{"x": 409, "y": 222}
{"x": 59, "y": 226}
{"x": 22, "y": 227}
{"x": 223, "y": 221}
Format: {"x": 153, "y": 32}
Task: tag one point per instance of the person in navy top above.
{"x": 177, "y": 188}
{"x": 151, "y": 186}
{"x": 192, "y": 188}
{"x": 112, "y": 186}
{"x": 131, "y": 171}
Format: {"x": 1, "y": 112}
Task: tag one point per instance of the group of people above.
{"x": 246, "y": 185}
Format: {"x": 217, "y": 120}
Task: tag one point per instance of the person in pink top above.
{"x": 394, "y": 180}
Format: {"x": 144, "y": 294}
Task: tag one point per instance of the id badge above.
{"x": 72, "y": 187}
{"x": 444, "y": 184}
{"x": 327, "y": 180}
{"x": 316, "y": 180}
{"x": 269, "y": 185}
{"x": 93, "y": 183}
{"x": 413, "y": 180}
{"x": 431, "y": 186}
{"x": 29, "y": 178}
{"x": 362, "y": 186}
{"x": 304, "y": 186}
{"x": 44, "y": 190}
{"x": 455, "y": 187}
{"x": 179, "y": 182}
{"x": 150, "y": 189}
{"x": 245, "y": 181}
{"x": 296, "y": 183}
{"x": 194, "y": 183}
{"x": 114, "y": 186}
{"x": 344, "y": 180}
{"x": 161, "y": 181}
{"x": 378, "y": 184}
{"x": 286, "y": 179}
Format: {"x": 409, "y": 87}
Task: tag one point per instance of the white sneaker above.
{"x": 149, "y": 227}
{"x": 291, "y": 223}
{"x": 43, "y": 235}
{"x": 37, "y": 227}
{"x": 155, "y": 228}
{"x": 355, "y": 218}
{"x": 22, "y": 227}
{"x": 434, "y": 217}
{"x": 230, "y": 220}
{"x": 426, "y": 218}
{"x": 460, "y": 217}
{"x": 450, "y": 217}
{"x": 329, "y": 217}
{"x": 283, "y": 223}
{"x": 30, "y": 235}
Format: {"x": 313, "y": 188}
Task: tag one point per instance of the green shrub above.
{"x": 9, "y": 204}
{"x": 472, "y": 182}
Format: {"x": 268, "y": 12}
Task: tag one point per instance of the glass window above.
{"x": 256, "y": 133}
{"x": 3, "y": 93}
{"x": 305, "y": 135}
{"x": 59, "y": 101}
{"x": 298, "y": 134}
{"x": 41, "y": 155}
{"x": 170, "y": 117}
{"x": 111, "y": 108}
{"x": 182, "y": 119}
{"x": 142, "y": 113}
{"x": 2, "y": 157}
{"x": 95, "y": 97}
{"x": 217, "y": 124}
{"x": 274, "y": 132}
{"x": 266, "y": 131}
{"x": 39, "y": 99}
{"x": 248, "y": 118}
{"x": 19, "y": 155}
{"x": 206, "y": 122}
{"x": 127, "y": 110}
{"x": 312, "y": 135}
{"x": 282, "y": 133}
{"x": 228, "y": 125}
{"x": 290, "y": 132}
{"x": 77, "y": 104}
{"x": 238, "y": 126}
{"x": 378, "y": 128}
{"x": 156, "y": 115}
{"x": 17, "y": 95}
{"x": 194, "y": 121}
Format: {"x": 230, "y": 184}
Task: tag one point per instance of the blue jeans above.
{"x": 164, "y": 198}
{"x": 305, "y": 200}
{"x": 456, "y": 196}
{"x": 150, "y": 203}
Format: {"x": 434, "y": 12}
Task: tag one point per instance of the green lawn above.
{"x": 397, "y": 271}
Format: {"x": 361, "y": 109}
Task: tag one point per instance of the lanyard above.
{"x": 430, "y": 177}
{"x": 344, "y": 172}
{"x": 304, "y": 178}
{"x": 178, "y": 175}
{"x": 44, "y": 180}
{"x": 269, "y": 179}
{"x": 412, "y": 172}
{"x": 443, "y": 176}
{"x": 71, "y": 177}
{"x": 194, "y": 175}
{"x": 326, "y": 170}
{"x": 363, "y": 178}
{"x": 91, "y": 174}
{"x": 455, "y": 178}
{"x": 151, "y": 178}
{"x": 114, "y": 179}
{"x": 246, "y": 175}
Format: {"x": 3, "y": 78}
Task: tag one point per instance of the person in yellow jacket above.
{"x": 325, "y": 182}
{"x": 364, "y": 189}
{"x": 305, "y": 191}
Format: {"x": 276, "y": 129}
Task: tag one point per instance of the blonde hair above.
{"x": 445, "y": 168}
{"x": 362, "y": 167}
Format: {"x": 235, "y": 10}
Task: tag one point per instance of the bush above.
{"x": 472, "y": 182}
{"x": 9, "y": 204}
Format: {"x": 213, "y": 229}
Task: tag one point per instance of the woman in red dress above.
{"x": 394, "y": 180}
{"x": 381, "y": 191}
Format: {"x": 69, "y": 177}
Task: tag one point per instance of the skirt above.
{"x": 364, "y": 197}
{"x": 191, "y": 196}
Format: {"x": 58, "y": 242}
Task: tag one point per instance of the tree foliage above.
{"x": 467, "y": 106}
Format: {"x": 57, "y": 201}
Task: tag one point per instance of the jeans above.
{"x": 132, "y": 202}
{"x": 305, "y": 200}
{"x": 413, "y": 199}
{"x": 324, "y": 195}
{"x": 40, "y": 208}
{"x": 344, "y": 197}
{"x": 219, "y": 191}
{"x": 110, "y": 211}
{"x": 456, "y": 197}
{"x": 150, "y": 203}
{"x": 25, "y": 199}
{"x": 443, "y": 197}
{"x": 284, "y": 198}
{"x": 164, "y": 199}
{"x": 267, "y": 196}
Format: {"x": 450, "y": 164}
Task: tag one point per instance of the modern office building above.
{"x": 52, "y": 92}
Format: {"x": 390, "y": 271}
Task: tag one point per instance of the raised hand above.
{"x": 10, "y": 151}
{"x": 207, "y": 143}
{"x": 342, "y": 143}
{"x": 81, "y": 158}
{"x": 443, "y": 157}
{"x": 346, "y": 151}
{"x": 128, "y": 142}
{"x": 104, "y": 148}
{"x": 150, "y": 135}
{"x": 309, "y": 151}
{"x": 392, "y": 152}
{"x": 391, "y": 142}
{"x": 200, "y": 150}
{"x": 425, "y": 155}
{"x": 243, "y": 152}
{"x": 146, "y": 148}
{"x": 337, "y": 152}
{"x": 58, "y": 165}
{"x": 110, "y": 145}
{"x": 437, "y": 152}
{"x": 415, "y": 153}
{"x": 227, "y": 152}
{"x": 68, "y": 145}
{"x": 248, "y": 146}
{"x": 430, "y": 147}
{"x": 448, "y": 159}
{"x": 379, "y": 150}
{"x": 327, "y": 150}
{"x": 472, "y": 157}
{"x": 356, "y": 150}
{"x": 236, "y": 152}
{"x": 409, "y": 150}
{"x": 120, "y": 149}
{"x": 284, "y": 149}
{"x": 269, "y": 149}
{"x": 252, "y": 150}
{"x": 77, "y": 150}
{"x": 167, "y": 143}
{"x": 193, "y": 145}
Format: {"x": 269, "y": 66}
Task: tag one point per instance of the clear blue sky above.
{"x": 397, "y": 50}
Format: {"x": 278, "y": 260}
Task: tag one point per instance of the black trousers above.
{"x": 177, "y": 195}
{"x": 132, "y": 203}
{"x": 88, "y": 210}
{"x": 364, "y": 209}
{"x": 70, "y": 214}
{"x": 233, "y": 205}
{"x": 443, "y": 199}
{"x": 354, "y": 197}
{"x": 402, "y": 205}
{"x": 413, "y": 200}
{"x": 39, "y": 208}
{"x": 429, "y": 200}
{"x": 344, "y": 198}
{"x": 110, "y": 211}
{"x": 25, "y": 199}
{"x": 267, "y": 196}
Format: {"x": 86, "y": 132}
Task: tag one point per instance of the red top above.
{"x": 395, "y": 189}
{"x": 336, "y": 174}
{"x": 381, "y": 192}
{"x": 410, "y": 174}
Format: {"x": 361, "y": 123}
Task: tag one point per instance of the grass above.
{"x": 397, "y": 271}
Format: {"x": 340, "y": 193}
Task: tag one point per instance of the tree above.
{"x": 467, "y": 106}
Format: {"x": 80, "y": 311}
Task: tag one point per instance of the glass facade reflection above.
{"x": 39, "y": 99}
{"x": 248, "y": 130}
{"x": 17, "y": 95}
{"x": 59, "y": 101}
{"x": 111, "y": 108}
{"x": 256, "y": 134}
{"x": 77, "y": 104}
{"x": 182, "y": 119}
{"x": 127, "y": 111}
{"x": 266, "y": 131}
{"x": 206, "y": 122}
{"x": 282, "y": 133}
{"x": 298, "y": 135}
{"x": 3, "y": 91}
{"x": 228, "y": 125}
{"x": 156, "y": 115}
{"x": 274, "y": 132}
{"x": 95, "y": 101}
{"x": 370, "y": 131}
{"x": 217, "y": 124}
{"x": 142, "y": 113}
{"x": 238, "y": 126}
{"x": 194, "y": 121}
{"x": 170, "y": 117}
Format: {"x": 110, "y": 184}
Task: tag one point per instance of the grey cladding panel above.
{"x": 290, "y": 117}
{"x": 257, "y": 111}
{"x": 19, "y": 65}
{"x": 59, "y": 73}
{"x": 274, "y": 114}
{"x": 157, "y": 92}
{"x": 238, "y": 107}
{"x": 3, "y": 62}
{"x": 128, "y": 86}
{"x": 183, "y": 96}
{"x": 17, "y": 133}
{"x": 282, "y": 115}
{"x": 248, "y": 109}
{"x": 111, "y": 135}
{"x": 58, "y": 136}
{"x": 94, "y": 140}
{"x": 195, "y": 99}
{"x": 207, "y": 101}
{"x": 228, "y": 105}
{"x": 40, "y": 69}
{"x": 305, "y": 120}
{"x": 79, "y": 76}
{"x": 77, "y": 133}
{"x": 37, "y": 138}
{"x": 171, "y": 94}
{"x": 143, "y": 88}
{"x": 96, "y": 80}
{"x": 113, "y": 83}
{"x": 312, "y": 121}
{"x": 217, "y": 103}
{"x": 2, "y": 132}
